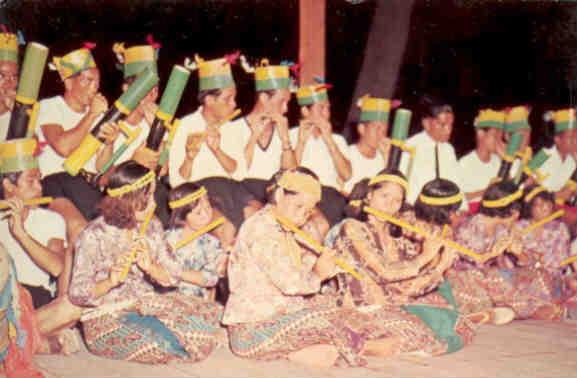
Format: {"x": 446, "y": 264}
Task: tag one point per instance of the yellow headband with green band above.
{"x": 533, "y": 193}
{"x": 389, "y": 178}
{"x": 138, "y": 184}
{"x": 441, "y": 201}
{"x": 187, "y": 199}
{"x": 300, "y": 183}
{"x": 503, "y": 202}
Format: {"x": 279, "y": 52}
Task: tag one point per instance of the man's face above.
{"x": 566, "y": 141}
{"x": 278, "y": 102}
{"x": 222, "y": 105}
{"x": 27, "y": 186}
{"x": 319, "y": 111}
{"x": 488, "y": 137}
{"x": 371, "y": 133}
{"x": 84, "y": 85}
{"x": 8, "y": 84}
{"x": 440, "y": 127}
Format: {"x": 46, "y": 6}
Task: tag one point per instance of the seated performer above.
{"x": 369, "y": 155}
{"x": 64, "y": 121}
{"x": 118, "y": 256}
{"x": 272, "y": 311}
{"x": 317, "y": 148}
{"x": 437, "y": 120}
{"x": 207, "y": 148}
{"x": 194, "y": 214}
{"x": 480, "y": 166}
{"x": 8, "y": 79}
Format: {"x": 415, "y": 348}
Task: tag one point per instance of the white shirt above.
{"x": 4, "y": 123}
{"x": 363, "y": 167}
{"x": 43, "y": 225}
{"x": 317, "y": 157}
{"x": 475, "y": 174}
{"x": 265, "y": 163}
{"x": 556, "y": 170}
{"x": 144, "y": 128}
{"x": 54, "y": 110}
{"x": 421, "y": 169}
{"x": 205, "y": 163}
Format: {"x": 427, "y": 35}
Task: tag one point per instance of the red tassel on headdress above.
{"x": 295, "y": 69}
{"x": 395, "y": 104}
{"x": 39, "y": 148}
{"x": 4, "y": 28}
{"x": 321, "y": 87}
{"x": 89, "y": 45}
{"x": 150, "y": 40}
{"x": 233, "y": 57}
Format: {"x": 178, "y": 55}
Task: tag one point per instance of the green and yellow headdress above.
{"x": 136, "y": 59}
{"x": 490, "y": 118}
{"x": 375, "y": 109}
{"x": 311, "y": 94}
{"x": 215, "y": 73}
{"x": 565, "y": 119}
{"x": 269, "y": 77}
{"x": 517, "y": 118}
{"x": 74, "y": 62}
{"x": 8, "y": 47}
{"x": 17, "y": 155}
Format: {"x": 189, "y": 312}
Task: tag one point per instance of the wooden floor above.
{"x": 520, "y": 349}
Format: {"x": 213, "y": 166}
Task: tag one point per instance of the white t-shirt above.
{"x": 317, "y": 157}
{"x": 54, "y": 110}
{"x": 205, "y": 163}
{"x": 556, "y": 170}
{"x": 4, "y": 123}
{"x": 43, "y": 225}
{"x": 265, "y": 163}
{"x": 421, "y": 169}
{"x": 362, "y": 166}
{"x": 475, "y": 174}
{"x": 144, "y": 128}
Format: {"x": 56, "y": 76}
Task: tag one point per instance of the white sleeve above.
{"x": 342, "y": 145}
{"x": 53, "y": 227}
{"x": 233, "y": 145}
{"x": 176, "y": 156}
{"x": 47, "y": 114}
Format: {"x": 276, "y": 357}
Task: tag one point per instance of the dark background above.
{"x": 474, "y": 53}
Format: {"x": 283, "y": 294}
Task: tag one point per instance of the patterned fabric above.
{"x": 202, "y": 255}
{"x": 548, "y": 245}
{"x": 161, "y": 329}
{"x": 265, "y": 280}
{"x": 98, "y": 247}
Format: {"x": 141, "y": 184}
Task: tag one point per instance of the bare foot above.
{"x": 69, "y": 340}
{"x": 318, "y": 356}
{"x": 495, "y": 316}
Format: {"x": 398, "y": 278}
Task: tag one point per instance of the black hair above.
{"x": 202, "y": 95}
{"x": 10, "y": 176}
{"x": 268, "y": 92}
{"x": 528, "y": 205}
{"x": 437, "y": 214}
{"x": 178, "y": 215}
{"x": 431, "y": 106}
{"x": 360, "y": 192}
{"x": 497, "y": 191}
{"x": 272, "y": 184}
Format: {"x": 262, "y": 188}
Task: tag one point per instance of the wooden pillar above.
{"x": 312, "y": 39}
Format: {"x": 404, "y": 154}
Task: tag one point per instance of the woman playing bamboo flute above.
{"x": 273, "y": 311}
{"x": 504, "y": 276}
{"x": 117, "y": 259}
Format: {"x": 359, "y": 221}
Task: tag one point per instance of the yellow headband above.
{"x": 301, "y": 183}
{"x": 390, "y": 178}
{"x": 140, "y": 183}
{"x": 187, "y": 199}
{"x": 502, "y": 202}
{"x": 533, "y": 193}
{"x": 441, "y": 201}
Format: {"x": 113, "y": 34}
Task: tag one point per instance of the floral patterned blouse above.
{"x": 98, "y": 247}
{"x": 269, "y": 272}
{"x": 202, "y": 255}
{"x": 548, "y": 245}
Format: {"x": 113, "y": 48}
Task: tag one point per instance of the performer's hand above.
{"x": 146, "y": 157}
{"x": 8, "y": 96}
{"x": 193, "y": 142}
{"x": 501, "y": 147}
{"x": 143, "y": 259}
{"x": 98, "y": 105}
{"x": 213, "y": 138}
{"x": 115, "y": 276}
{"x": 149, "y": 110}
{"x": 109, "y": 132}
{"x": 384, "y": 146}
{"x": 281, "y": 122}
{"x": 325, "y": 266}
{"x": 306, "y": 128}
{"x": 17, "y": 213}
{"x": 324, "y": 127}
{"x": 432, "y": 245}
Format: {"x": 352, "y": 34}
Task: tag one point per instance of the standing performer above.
{"x": 64, "y": 121}
{"x": 8, "y": 79}
{"x": 118, "y": 257}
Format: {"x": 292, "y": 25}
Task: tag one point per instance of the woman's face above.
{"x": 541, "y": 209}
{"x": 201, "y": 215}
{"x": 297, "y": 208}
{"x": 388, "y": 198}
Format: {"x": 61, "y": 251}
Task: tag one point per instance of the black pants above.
{"x": 40, "y": 296}
{"x": 84, "y": 196}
